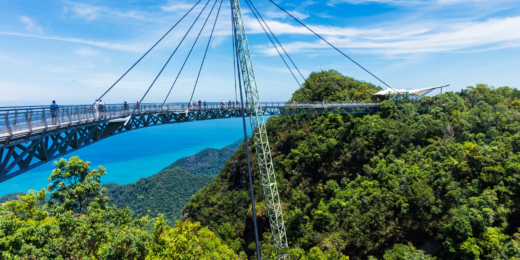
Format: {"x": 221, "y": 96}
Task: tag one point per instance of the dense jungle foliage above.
{"x": 164, "y": 193}
{"x": 168, "y": 191}
{"x": 208, "y": 161}
{"x": 11, "y": 196}
{"x": 430, "y": 178}
{"x": 75, "y": 223}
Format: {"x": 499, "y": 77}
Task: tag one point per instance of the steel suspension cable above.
{"x": 149, "y": 50}
{"x": 189, "y": 53}
{"x": 332, "y": 45}
{"x": 168, "y": 61}
{"x": 276, "y": 39}
{"x": 268, "y": 36}
{"x": 234, "y": 58}
{"x": 206, "y": 52}
{"x": 246, "y": 143}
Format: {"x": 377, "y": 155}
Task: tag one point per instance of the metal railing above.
{"x": 25, "y": 119}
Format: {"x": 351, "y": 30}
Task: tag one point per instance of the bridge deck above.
{"x": 31, "y": 136}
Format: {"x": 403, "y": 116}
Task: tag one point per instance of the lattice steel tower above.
{"x": 263, "y": 151}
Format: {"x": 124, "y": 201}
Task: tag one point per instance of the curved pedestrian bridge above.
{"x": 31, "y": 136}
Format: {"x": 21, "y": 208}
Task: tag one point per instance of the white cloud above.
{"x": 86, "y": 52}
{"x": 392, "y": 2}
{"x": 271, "y": 14}
{"x": 30, "y": 25}
{"x": 85, "y": 11}
{"x": 176, "y": 6}
{"x": 427, "y": 38}
{"x": 412, "y": 2}
{"x": 91, "y": 12}
{"x": 105, "y": 45}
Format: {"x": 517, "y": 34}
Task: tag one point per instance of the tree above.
{"x": 75, "y": 224}
{"x": 73, "y": 185}
{"x": 188, "y": 240}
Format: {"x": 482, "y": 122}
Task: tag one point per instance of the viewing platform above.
{"x": 31, "y": 136}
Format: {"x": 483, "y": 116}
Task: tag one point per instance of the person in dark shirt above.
{"x": 54, "y": 112}
{"x": 125, "y": 107}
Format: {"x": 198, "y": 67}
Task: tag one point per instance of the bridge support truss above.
{"x": 263, "y": 151}
{"x": 26, "y": 145}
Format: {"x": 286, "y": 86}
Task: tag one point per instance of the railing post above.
{"x": 58, "y": 122}
{"x": 15, "y": 118}
{"x": 29, "y": 120}
{"x": 68, "y": 116}
{"x": 28, "y": 124}
{"x": 44, "y": 120}
{"x": 9, "y": 130}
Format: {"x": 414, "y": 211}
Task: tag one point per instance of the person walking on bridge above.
{"x": 125, "y": 108}
{"x": 102, "y": 109}
{"x": 204, "y": 104}
{"x": 137, "y": 106}
{"x": 54, "y": 112}
{"x": 96, "y": 109}
{"x": 222, "y": 103}
{"x": 229, "y": 104}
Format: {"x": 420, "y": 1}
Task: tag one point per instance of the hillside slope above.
{"x": 163, "y": 193}
{"x": 439, "y": 176}
{"x": 167, "y": 191}
{"x": 11, "y": 196}
{"x": 208, "y": 161}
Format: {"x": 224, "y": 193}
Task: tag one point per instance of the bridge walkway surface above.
{"x": 30, "y": 136}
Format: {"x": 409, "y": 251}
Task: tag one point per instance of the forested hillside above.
{"x": 208, "y": 161}
{"x": 435, "y": 177}
{"x": 163, "y": 193}
{"x": 170, "y": 189}
{"x": 72, "y": 219}
{"x": 167, "y": 191}
{"x": 11, "y": 196}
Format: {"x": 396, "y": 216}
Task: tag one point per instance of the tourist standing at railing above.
{"x": 200, "y": 104}
{"x": 96, "y": 110}
{"x": 234, "y": 105}
{"x": 125, "y": 108}
{"x": 102, "y": 109}
{"x": 54, "y": 112}
{"x": 204, "y": 104}
{"x": 229, "y": 104}
{"x": 137, "y": 106}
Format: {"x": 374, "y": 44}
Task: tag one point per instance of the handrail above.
{"x": 18, "y": 120}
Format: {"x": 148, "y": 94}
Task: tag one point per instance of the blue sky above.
{"x": 72, "y": 51}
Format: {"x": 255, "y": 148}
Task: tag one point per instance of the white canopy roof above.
{"x": 415, "y": 92}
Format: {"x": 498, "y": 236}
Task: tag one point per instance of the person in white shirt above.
{"x": 96, "y": 110}
{"x": 102, "y": 109}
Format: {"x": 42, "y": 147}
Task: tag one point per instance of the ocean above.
{"x": 140, "y": 153}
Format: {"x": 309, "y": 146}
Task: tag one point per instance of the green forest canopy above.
{"x": 422, "y": 178}
{"x": 168, "y": 191}
{"x": 75, "y": 223}
{"x": 436, "y": 177}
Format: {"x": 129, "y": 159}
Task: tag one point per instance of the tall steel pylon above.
{"x": 263, "y": 151}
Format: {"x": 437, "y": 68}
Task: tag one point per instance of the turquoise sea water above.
{"x": 140, "y": 153}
